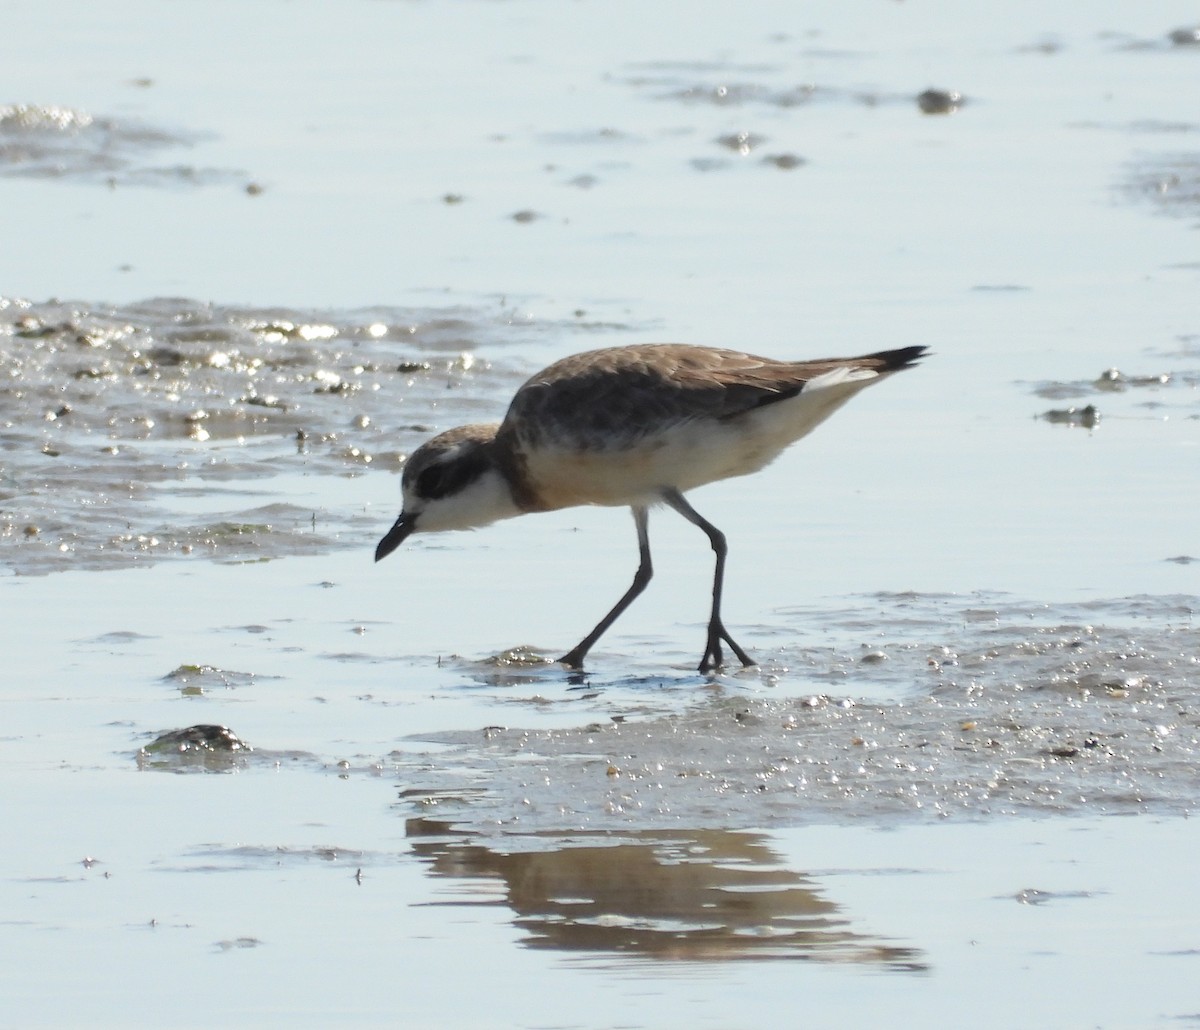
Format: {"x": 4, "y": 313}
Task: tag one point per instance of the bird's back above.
{"x": 614, "y": 398}
{"x": 616, "y": 426}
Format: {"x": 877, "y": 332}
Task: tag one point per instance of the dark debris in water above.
{"x": 940, "y": 101}
{"x": 521, "y": 657}
{"x": 741, "y": 143}
{"x": 1132, "y": 394}
{"x": 211, "y": 747}
{"x": 785, "y": 162}
{"x": 201, "y": 737}
{"x": 766, "y": 91}
{"x": 729, "y": 85}
{"x": 194, "y": 680}
{"x": 1087, "y": 417}
{"x": 1184, "y": 36}
{"x": 206, "y": 747}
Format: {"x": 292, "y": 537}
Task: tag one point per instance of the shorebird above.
{"x": 637, "y": 426}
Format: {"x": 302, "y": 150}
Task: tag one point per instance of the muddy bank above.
{"x": 1005, "y": 709}
{"x": 174, "y": 428}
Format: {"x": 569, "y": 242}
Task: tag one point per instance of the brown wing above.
{"x": 615, "y": 397}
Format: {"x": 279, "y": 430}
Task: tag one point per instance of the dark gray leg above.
{"x": 717, "y": 632}
{"x": 574, "y": 657}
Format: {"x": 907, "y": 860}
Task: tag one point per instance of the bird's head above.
{"x": 450, "y": 482}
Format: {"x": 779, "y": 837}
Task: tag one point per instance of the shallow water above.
{"x": 969, "y": 753}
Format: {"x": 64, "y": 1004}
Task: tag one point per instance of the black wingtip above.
{"x": 901, "y": 358}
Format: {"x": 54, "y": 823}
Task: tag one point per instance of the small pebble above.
{"x": 940, "y": 101}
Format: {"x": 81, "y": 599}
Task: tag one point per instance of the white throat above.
{"x": 484, "y": 500}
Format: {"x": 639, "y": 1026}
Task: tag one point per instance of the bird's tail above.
{"x": 886, "y": 361}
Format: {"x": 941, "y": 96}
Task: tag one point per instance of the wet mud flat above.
{"x": 172, "y": 427}
{"x": 1021, "y": 710}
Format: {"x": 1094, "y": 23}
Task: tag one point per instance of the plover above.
{"x": 637, "y": 426}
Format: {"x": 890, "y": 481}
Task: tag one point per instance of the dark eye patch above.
{"x": 431, "y": 482}
{"x": 450, "y": 476}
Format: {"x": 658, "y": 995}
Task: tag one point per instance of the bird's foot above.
{"x": 573, "y": 659}
{"x": 714, "y": 657}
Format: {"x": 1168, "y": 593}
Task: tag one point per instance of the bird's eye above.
{"x": 432, "y": 481}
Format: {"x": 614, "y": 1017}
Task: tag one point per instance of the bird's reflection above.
{"x": 703, "y": 894}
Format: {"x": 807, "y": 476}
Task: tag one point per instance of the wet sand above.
{"x": 253, "y": 778}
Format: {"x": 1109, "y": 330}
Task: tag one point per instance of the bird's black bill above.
{"x": 394, "y": 538}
